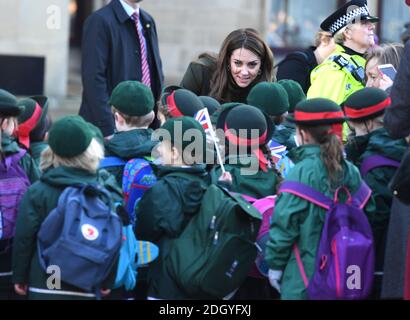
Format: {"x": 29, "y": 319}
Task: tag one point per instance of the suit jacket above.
{"x": 397, "y": 117}
{"x": 110, "y": 55}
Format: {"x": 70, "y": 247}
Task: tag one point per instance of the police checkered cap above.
{"x": 355, "y": 9}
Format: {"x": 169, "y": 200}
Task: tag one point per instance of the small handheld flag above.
{"x": 202, "y": 116}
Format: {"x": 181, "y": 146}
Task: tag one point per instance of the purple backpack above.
{"x": 265, "y": 206}
{"x": 13, "y": 184}
{"x": 344, "y": 263}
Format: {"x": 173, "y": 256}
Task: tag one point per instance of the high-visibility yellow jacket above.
{"x": 329, "y": 80}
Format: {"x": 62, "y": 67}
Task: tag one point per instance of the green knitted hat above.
{"x": 178, "y": 126}
{"x": 317, "y": 111}
{"x": 366, "y": 103}
{"x": 132, "y": 98}
{"x": 210, "y": 103}
{"x": 70, "y": 136}
{"x": 8, "y": 105}
{"x": 294, "y": 91}
{"x": 269, "y": 97}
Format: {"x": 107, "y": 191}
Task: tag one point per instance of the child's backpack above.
{"x": 138, "y": 177}
{"x": 376, "y": 161}
{"x": 266, "y": 207}
{"x": 13, "y": 185}
{"x": 133, "y": 254}
{"x": 344, "y": 263}
{"x": 82, "y": 236}
{"x": 215, "y": 252}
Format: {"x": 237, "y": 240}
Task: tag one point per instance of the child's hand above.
{"x": 21, "y": 289}
{"x": 226, "y": 177}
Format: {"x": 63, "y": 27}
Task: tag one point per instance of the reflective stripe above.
{"x": 61, "y": 292}
{"x": 6, "y": 274}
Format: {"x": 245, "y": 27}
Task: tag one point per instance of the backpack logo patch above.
{"x": 89, "y": 232}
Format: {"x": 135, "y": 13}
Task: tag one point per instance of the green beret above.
{"x": 180, "y": 125}
{"x": 8, "y": 105}
{"x": 269, "y": 97}
{"x": 181, "y": 102}
{"x": 70, "y": 136}
{"x": 132, "y": 98}
{"x": 294, "y": 91}
{"x": 317, "y": 111}
{"x": 210, "y": 103}
{"x": 237, "y": 116}
{"x": 366, "y": 103}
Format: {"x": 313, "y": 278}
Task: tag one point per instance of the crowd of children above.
{"x": 272, "y": 144}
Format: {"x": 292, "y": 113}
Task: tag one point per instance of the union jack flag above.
{"x": 202, "y": 116}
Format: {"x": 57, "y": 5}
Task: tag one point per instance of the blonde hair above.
{"x": 340, "y": 37}
{"x": 89, "y": 160}
{"x": 319, "y": 37}
{"x": 387, "y": 53}
{"x": 136, "y": 121}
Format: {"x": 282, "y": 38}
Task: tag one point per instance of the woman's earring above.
{"x": 259, "y": 72}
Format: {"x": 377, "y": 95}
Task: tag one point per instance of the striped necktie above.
{"x": 146, "y": 79}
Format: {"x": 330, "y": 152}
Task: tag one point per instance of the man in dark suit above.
{"x": 119, "y": 43}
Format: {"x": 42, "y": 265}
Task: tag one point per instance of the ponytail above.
{"x": 331, "y": 150}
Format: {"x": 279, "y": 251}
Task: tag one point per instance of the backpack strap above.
{"x": 306, "y": 192}
{"x": 362, "y": 195}
{"x": 14, "y": 157}
{"x": 376, "y": 161}
{"x": 111, "y": 162}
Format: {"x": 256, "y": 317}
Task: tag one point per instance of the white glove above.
{"x": 274, "y": 278}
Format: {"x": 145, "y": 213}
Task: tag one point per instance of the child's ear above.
{"x": 118, "y": 118}
{"x": 4, "y": 124}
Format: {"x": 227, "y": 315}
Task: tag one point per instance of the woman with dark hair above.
{"x": 244, "y": 60}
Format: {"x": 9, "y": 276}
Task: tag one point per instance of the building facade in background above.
{"x": 44, "y": 44}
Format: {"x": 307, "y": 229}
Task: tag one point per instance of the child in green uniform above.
{"x": 319, "y": 163}
{"x": 132, "y": 106}
{"x": 365, "y": 111}
{"x": 9, "y": 111}
{"x": 166, "y": 208}
{"x": 66, "y": 162}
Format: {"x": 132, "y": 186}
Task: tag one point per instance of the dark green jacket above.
{"x": 378, "y": 142}
{"x": 128, "y": 145}
{"x": 259, "y": 185}
{"x": 40, "y": 199}
{"x": 197, "y": 77}
{"x": 36, "y": 148}
{"x": 10, "y": 146}
{"x": 296, "y": 220}
{"x": 162, "y": 214}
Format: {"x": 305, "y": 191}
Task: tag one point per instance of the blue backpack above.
{"x": 133, "y": 254}
{"x": 138, "y": 177}
{"x": 82, "y": 236}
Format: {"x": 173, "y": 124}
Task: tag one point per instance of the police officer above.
{"x": 343, "y": 72}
